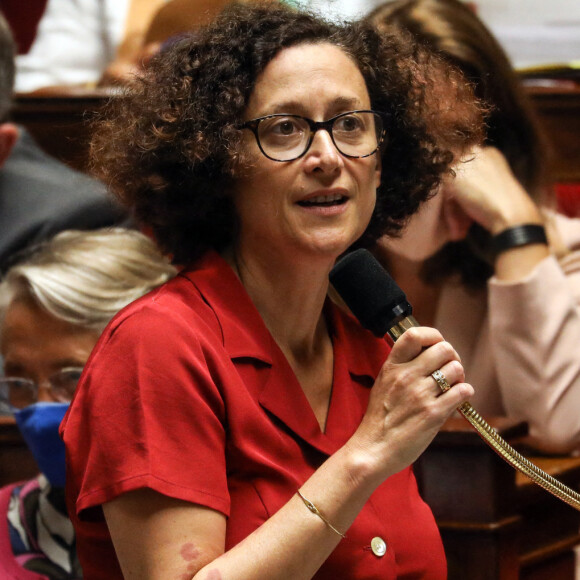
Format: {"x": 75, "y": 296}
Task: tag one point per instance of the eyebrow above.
{"x": 17, "y": 369}
{"x": 292, "y": 106}
{"x": 13, "y": 369}
{"x": 70, "y": 362}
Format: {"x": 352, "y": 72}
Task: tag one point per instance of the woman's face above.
{"x": 438, "y": 221}
{"x": 321, "y": 203}
{"x": 35, "y": 345}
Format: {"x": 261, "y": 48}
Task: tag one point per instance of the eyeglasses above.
{"x": 283, "y": 137}
{"x": 17, "y": 392}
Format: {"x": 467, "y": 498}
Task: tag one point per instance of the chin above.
{"x": 326, "y": 250}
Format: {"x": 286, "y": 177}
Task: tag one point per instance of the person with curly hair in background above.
{"x": 238, "y": 423}
{"x": 487, "y": 261}
{"x": 53, "y": 305}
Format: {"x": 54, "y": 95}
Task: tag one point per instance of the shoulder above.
{"x": 204, "y": 313}
{"x": 29, "y": 163}
{"x": 176, "y": 311}
{"x": 40, "y": 196}
{"x": 9, "y": 566}
{"x": 167, "y": 338}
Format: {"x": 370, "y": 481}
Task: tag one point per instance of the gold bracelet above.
{"x": 315, "y": 511}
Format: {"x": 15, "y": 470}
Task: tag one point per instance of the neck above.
{"x": 290, "y": 299}
{"x": 290, "y": 295}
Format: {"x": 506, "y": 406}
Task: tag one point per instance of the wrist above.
{"x": 526, "y": 212}
{"x": 364, "y": 467}
{"x": 518, "y": 236}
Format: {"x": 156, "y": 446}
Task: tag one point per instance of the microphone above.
{"x": 381, "y": 307}
{"x": 372, "y": 295}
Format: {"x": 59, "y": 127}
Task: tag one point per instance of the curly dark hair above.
{"x": 169, "y": 147}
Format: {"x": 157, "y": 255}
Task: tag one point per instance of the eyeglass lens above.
{"x": 19, "y": 392}
{"x": 287, "y": 137}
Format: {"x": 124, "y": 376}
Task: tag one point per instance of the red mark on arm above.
{"x": 191, "y": 570}
{"x": 189, "y": 552}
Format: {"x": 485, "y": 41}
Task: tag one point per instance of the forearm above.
{"x": 517, "y": 263}
{"x": 488, "y": 192}
{"x": 535, "y": 333}
{"x": 158, "y": 537}
{"x": 294, "y": 542}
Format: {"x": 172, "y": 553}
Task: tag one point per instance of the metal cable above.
{"x": 517, "y": 460}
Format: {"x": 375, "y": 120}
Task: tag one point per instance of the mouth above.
{"x": 324, "y": 200}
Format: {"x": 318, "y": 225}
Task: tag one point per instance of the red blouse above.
{"x": 188, "y": 394}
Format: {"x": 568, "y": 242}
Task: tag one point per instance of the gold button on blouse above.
{"x": 378, "y": 546}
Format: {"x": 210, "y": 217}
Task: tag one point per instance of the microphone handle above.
{"x": 399, "y": 326}
{"x": 495, "y": 441}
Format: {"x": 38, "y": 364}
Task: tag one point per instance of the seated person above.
{"x": 487, "y": 261}
{"x": 170, "y": 22}
{"x": 54, "y": 305}
{"x": 39, "y": 195}
{"x": 76, "y": 40}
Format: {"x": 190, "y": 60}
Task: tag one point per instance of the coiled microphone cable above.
{"x": 381, "y": 307}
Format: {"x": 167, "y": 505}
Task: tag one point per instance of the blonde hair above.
{"x": 86, "y": 277}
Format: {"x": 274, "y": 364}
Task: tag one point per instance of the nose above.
{"x": 45, "y": 393}
{"x": 323, "y": 153}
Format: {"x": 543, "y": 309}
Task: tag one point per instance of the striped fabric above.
{"x": 41, "y": 535}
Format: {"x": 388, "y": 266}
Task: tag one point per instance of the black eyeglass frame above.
{"x": 315, "y": 126}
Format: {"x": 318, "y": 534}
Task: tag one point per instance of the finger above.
{"x": 454, "y": 397}
{"x": 435, "y": 356}
{"x": 413, "y": 342}
{"x": 442, "y": 379}
{"x": 447, "y": 376}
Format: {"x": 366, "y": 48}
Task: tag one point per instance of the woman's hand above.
{"x": 407, "y": 407}
{"x": 488, "y": 192}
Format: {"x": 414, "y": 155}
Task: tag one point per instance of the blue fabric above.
{"x": 39, "y": 425}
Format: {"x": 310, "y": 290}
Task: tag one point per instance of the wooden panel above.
{"x": 559, "y": 112}
{"x": 58, "y": 118}
{"x": 16, "y": 461}
{"x": 496, "y": 524}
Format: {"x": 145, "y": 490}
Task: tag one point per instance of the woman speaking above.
{"x": 236, "y": 423}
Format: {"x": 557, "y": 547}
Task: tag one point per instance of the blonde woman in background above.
{"x": 54, "y": 305}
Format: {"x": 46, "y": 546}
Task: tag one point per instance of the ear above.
{"x": 8, "y": 136}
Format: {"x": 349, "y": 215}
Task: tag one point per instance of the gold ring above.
{"x": 441, "y": 380}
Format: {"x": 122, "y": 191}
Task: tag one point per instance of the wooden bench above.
{"x": 497, "y": 524}
{"x": 559, "y": 113}
{"x": 16, "y": 461}
{"x": 58, "y": 119}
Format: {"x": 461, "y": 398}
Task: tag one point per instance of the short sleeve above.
{"x": 149, "y": 413}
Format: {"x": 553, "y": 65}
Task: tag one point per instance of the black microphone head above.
{"x": 369, "y": 291}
